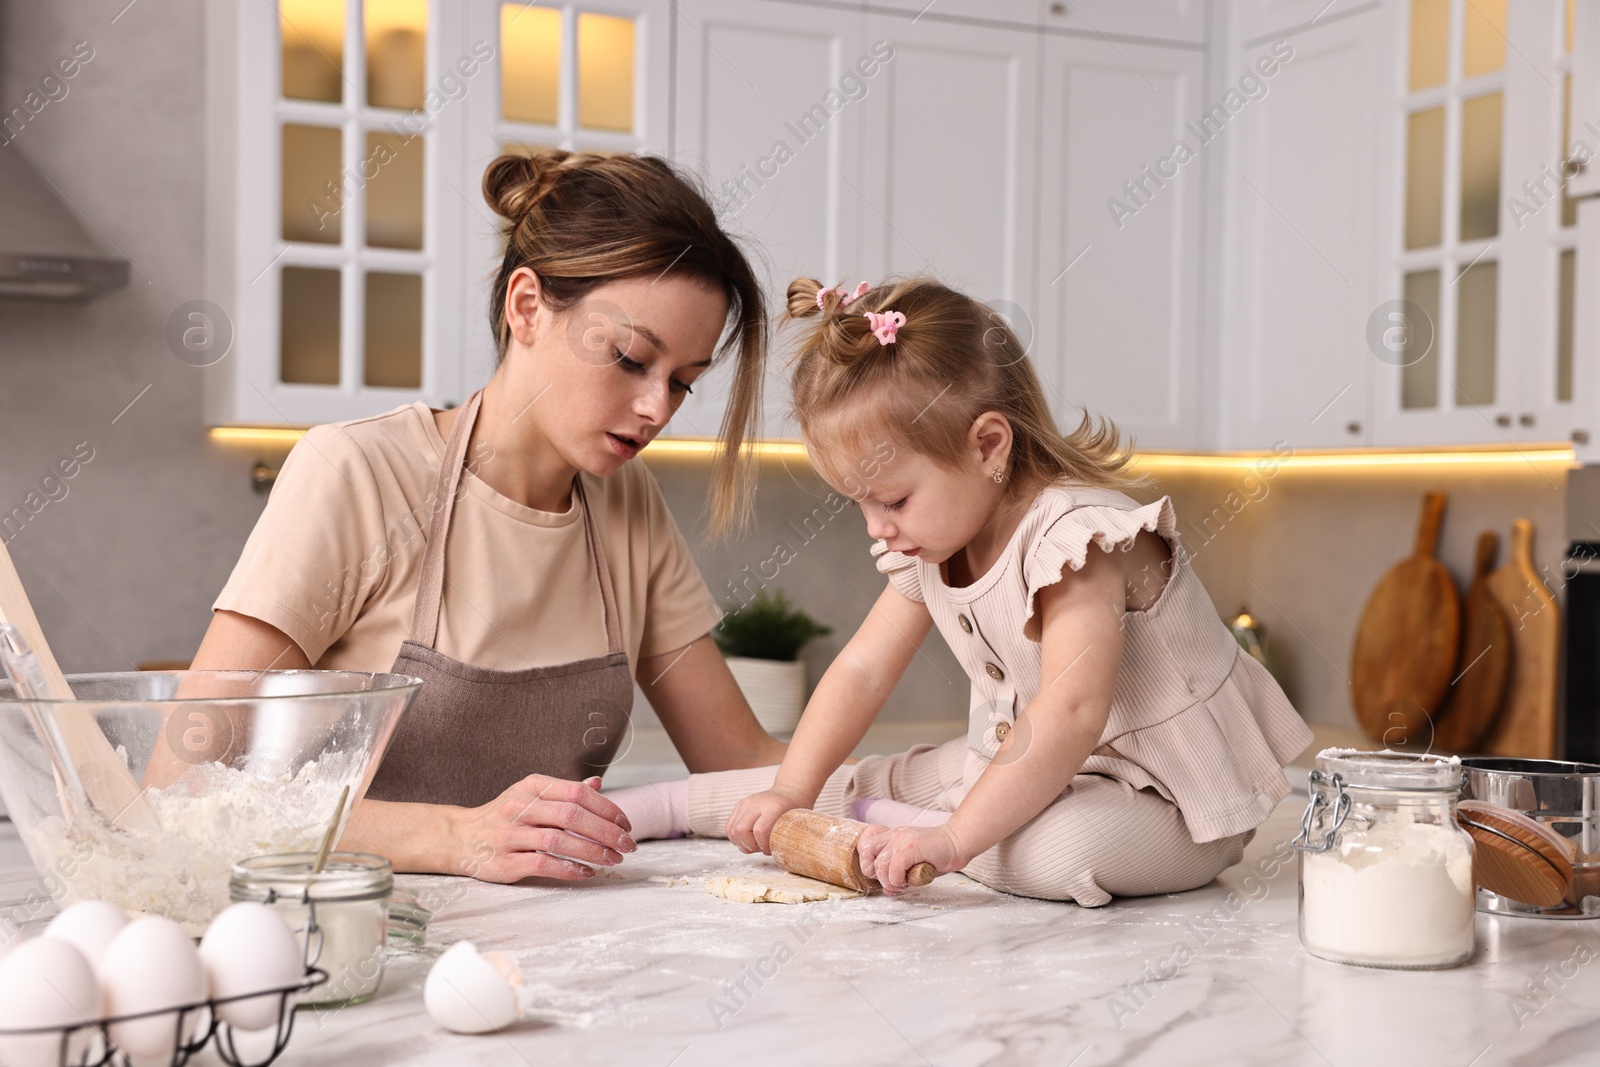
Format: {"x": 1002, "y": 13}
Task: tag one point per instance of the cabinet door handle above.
{"x": 1525, "y": 419}
{"x": 1502, "y": 419}
{"x": 1352, "y": 427}
{"x": 1580, "y": 437}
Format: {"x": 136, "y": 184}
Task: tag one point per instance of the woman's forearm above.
{"x": 416, "y": 838}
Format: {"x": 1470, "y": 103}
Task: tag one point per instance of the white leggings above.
{"x": 1101, "y": 838}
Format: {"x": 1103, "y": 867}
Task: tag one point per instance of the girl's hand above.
{"x": 888, "y": 855}
{"x": 525, "y": 832}
{"x": 750, "y": 825}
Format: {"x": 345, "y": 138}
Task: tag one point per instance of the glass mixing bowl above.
{"x": 222, "y": 765}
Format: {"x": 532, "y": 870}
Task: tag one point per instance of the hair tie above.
{"x": 845, "y": 295}
{"x": 885, "y": 325}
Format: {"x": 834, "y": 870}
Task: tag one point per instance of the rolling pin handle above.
{"x": 921, "y": 874}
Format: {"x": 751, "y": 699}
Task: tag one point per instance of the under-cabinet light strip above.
{"x": 1169, "y": 461}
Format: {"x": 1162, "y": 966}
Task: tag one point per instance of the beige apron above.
{"x": 474, "y": 731}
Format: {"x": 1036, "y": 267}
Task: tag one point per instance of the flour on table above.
{"x": 670, "y": 880}
{"x": 773, "y": 886}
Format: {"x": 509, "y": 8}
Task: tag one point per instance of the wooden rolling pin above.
{"x": 812, "y": 845}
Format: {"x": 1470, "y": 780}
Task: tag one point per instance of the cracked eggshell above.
{"x": 46, "y": 982}
{"x": 246, "y": 949}
{"x": 90, "y": 926}
{"x": 472, "y": 993}
{"x": 151, "y": 965}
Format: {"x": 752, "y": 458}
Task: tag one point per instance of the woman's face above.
{"x": 603, "y": 378}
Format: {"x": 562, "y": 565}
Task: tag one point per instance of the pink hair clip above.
{"x": 885, "y": 325}
{"x": 846, "y": 298}
{"x": 845, "y": 295}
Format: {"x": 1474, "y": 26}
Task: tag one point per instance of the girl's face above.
{"x": 921, "y": 507}
{"x": 604, "y": 377}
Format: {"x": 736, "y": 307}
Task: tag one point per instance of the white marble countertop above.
{"x": 641, "y": 969}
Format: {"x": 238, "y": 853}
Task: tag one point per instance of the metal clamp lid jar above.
{"x": 341, "y": 913}
{"x": 1385, "y": 870}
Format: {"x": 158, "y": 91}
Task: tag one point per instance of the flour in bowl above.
{"x": 211, "y": 817}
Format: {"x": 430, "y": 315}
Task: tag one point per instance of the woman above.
{"x": 508, "y": 553}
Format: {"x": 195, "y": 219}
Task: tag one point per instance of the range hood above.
{"x": 45, "y": 251}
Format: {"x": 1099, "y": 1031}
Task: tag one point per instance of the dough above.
{"x": 773, "y": 886}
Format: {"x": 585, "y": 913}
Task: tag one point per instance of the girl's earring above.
{"x": 997, "y": 473}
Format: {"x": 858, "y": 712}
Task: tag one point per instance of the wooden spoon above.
{"x": 107, "y": 782}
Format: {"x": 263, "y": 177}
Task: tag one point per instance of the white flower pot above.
{"x": 776, "y": 690}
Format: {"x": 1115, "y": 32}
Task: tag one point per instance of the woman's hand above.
{"x": 526, "y": 831}
{"x": 750, "y": 825}
{"x": 888, "y": 855}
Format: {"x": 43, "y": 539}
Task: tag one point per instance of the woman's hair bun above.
{"x": 514, "y": 184}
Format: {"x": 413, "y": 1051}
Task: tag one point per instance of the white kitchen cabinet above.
{"x": 1010, "y": 12}
{"x": 1300, "y": 188}
{"x": 1465, "y": 241}
{"x": 346, "y": 236}
{"x": 1167, "y": 20}
{"x": 938, "y": 167}
{"x": 1584, "y": 434}
{"x": 1584, "y": 173}
{"x": 330, "y": 238}
{"x": 1120, "y": 237}
{"x": 1255, "y": 20}
{"x": 1401, "y": 268}
{"x": 768, "y": 114}
{"x": 949, "y": 160}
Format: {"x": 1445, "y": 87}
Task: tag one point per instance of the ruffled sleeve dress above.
{"x": 1193, "y": 717}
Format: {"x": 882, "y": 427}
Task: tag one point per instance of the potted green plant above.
{"x": 762, "y": 640}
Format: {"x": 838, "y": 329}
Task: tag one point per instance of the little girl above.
{"x": 1120, "y": 743}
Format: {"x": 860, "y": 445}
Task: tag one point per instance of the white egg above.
{"x": 246, "y": 949}
{"x": 472, "y": 993}
{"x": 152, "y": 965}
{"x": 90, "y": 926}
{"x": 45, "y": 982}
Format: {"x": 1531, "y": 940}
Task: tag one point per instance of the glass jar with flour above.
{"x": 1385, "y": 870}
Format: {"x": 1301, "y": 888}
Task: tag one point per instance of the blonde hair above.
{"x": 581, "y": 219}
{"x": 952, "y": 360}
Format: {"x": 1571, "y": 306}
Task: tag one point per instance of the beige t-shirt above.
{"x": 334, "y": 559}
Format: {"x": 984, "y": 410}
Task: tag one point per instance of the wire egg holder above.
{"x": 103, "y": 1053}
{"x": 109, "y": 1054}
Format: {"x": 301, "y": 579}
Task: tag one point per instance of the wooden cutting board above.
{"x": 1406, "y": 644}
{"x": 1483, "y": 665}
{"x": 1527, "y": 724}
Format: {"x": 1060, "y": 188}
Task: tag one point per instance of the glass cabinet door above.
{"x": 353, "y": 131}
{"x": 1560, "y": 401}
{"x": 583, "y": 77}
{"x": 1481, "y": 227}
{"x": 334, "y": 198}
